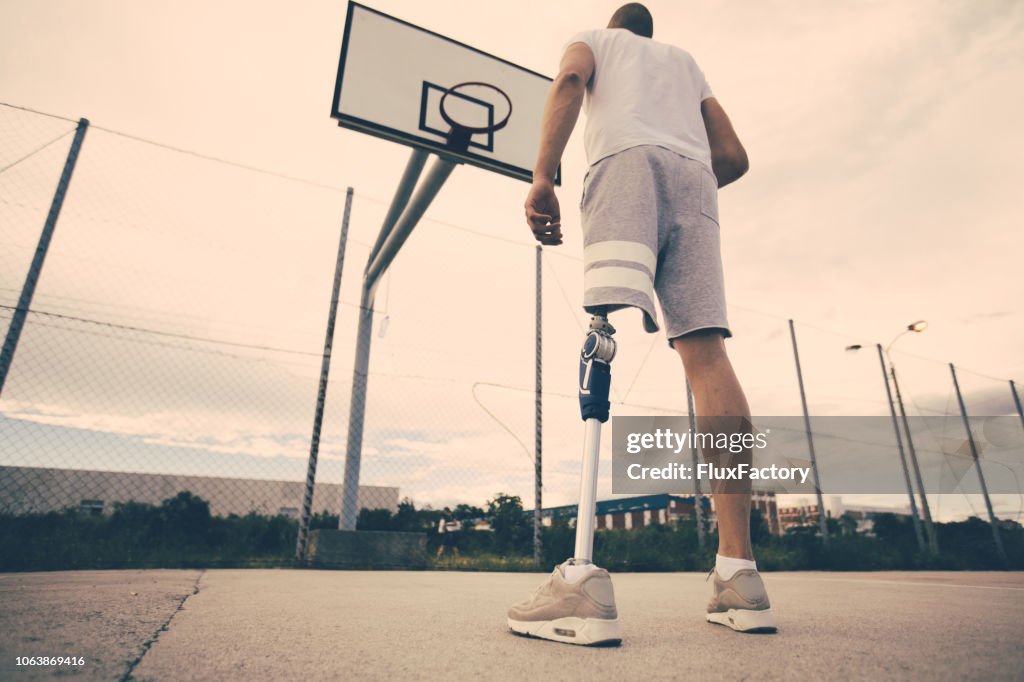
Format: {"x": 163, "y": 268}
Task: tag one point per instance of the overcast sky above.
{"x": 885, "y": 152}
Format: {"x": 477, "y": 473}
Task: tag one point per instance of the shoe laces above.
{"x": 543, "y": 586}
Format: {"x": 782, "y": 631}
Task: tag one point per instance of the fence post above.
{"x": 929, "y": 526}
{"x": 810, "y": 438}
{"x": 1016, "y": 401}
{"x": 28, "y": 290}
{"x": 538, "y": 418}
{"x": 321, "y": 395}
{"x": 977, "y": 465}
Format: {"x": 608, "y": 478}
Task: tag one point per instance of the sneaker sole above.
{"x": 571, "y": 630}
{"x": 742, "y": 620}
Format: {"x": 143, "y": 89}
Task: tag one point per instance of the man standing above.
{"x": 448, "y": 528}
{"x": 659, "y": 145}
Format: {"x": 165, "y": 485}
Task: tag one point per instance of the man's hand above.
{"x": 560, "y": 113}
{"x": 542, "y": 214}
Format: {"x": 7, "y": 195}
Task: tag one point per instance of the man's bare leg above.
{"x": 739, "y": 598}
{"x": 720, "y": 402}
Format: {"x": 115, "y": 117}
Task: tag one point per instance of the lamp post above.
{"x": 918, "y": 532}
{"x": 933, "y": 541}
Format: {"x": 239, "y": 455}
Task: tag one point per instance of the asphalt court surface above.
{"x": 302, "y": 624}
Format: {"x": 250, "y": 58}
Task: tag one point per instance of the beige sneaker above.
{"x": 580, "y": 612}
{"x": 741, "y": 603}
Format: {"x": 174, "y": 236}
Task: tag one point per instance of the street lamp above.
{"x": 899, "y": 444}
{"x": 914, "y": 327}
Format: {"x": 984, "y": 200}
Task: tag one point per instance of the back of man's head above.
{"x": 633, "y": 17}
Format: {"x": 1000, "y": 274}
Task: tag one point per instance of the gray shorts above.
{"x": 650, "y": 224}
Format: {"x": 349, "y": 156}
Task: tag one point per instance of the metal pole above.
{"x": 1016, "y": 400}
{"x": 377, "y": 265}
{"x": 357, "y": 407}
{"x": 436, "y": 176}
{"x": 406, "y": 185}
{"x": 28, "y": 290}
{"x": 538, "y": 418}
{"x": 321, "y": 395}
{"x": 595, "y": 378}
{"x": 977, "y": 465}
{"x": 810, "y": 438}
{"x": 929, "y": 527}
{"x": 587, "y": 511}
{"x": 698, "y": 499}
{"x": 903, "y": 457}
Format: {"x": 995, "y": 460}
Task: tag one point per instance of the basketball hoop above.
{"x": 460, "y": 135}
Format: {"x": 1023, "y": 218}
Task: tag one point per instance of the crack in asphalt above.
{"x": 127, "y": 677}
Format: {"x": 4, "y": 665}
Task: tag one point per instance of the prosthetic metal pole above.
{"x": 595, "y": 383}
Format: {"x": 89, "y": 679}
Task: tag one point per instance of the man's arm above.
{"x": 728, "y": 157}
{"x": 560, "y": 113}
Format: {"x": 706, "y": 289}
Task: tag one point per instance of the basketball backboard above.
{"x": 393, "y": 76}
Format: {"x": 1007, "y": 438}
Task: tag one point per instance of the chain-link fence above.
{"x": 174, "y": 343}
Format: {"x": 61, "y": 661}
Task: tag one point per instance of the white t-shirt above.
{"x": 643, "y": 92}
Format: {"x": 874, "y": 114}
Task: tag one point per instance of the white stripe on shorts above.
{"x": 619, "y": 277}
{"x": 634, "y": 252}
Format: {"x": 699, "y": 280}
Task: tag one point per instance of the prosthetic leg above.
{"x": 577, "y": 604}
{"x": 595, "y": 383}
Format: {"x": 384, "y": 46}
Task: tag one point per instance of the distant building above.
{"x": 799, "y": 516}
{"x": 765, "y": 502}
{"x": 805, "y": 515}
{"x": 645, "y": 510}
{"x": 34, "y": 490}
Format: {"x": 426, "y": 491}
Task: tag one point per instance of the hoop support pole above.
{"x": 412, "y": 172}
{"x": 432, "y": 183}
{"x": 379, "y": 262}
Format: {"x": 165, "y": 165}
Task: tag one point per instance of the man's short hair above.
{"x": 633, "y": 17}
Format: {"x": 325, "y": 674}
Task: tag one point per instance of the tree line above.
{"x": 181, "y": 532}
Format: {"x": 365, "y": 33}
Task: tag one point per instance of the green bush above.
{"x": 180, "y": 532}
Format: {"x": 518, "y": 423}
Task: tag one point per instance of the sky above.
{"x": 885, "y": 156}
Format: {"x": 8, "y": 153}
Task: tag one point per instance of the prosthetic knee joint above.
{"x": 595, "y": 384}
{"x": 595, "y": 369}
